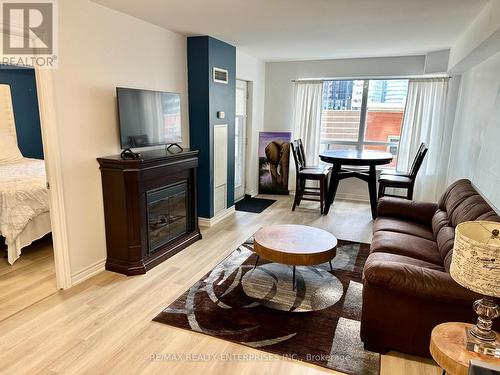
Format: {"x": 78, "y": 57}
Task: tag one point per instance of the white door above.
{"x": 240, "y": 140}
{"x": 220, "y": 168}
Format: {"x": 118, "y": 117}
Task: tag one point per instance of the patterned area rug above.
{"x": 318, "y": 322}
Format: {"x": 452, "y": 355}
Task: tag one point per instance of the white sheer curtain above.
{"x": 425, "y": 121}
{"x": 307, "y": 117}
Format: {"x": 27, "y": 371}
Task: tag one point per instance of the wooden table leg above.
{"x": 372, "y": 188}
{"x": 332, "y": 186}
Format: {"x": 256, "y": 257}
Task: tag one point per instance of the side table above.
{"x": 448, "y": 349}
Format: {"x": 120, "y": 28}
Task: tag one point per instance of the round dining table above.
{"x": 343, "y": 159}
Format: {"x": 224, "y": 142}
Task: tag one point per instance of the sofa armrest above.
{"x": 417, "y": 281}
{"x": 421, "y": 212}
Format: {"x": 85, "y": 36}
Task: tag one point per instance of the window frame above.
{"x": 361, "y": 142}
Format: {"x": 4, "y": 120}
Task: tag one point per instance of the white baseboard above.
{"x": 88, "y": 272}
{"x": 206, "y": 223}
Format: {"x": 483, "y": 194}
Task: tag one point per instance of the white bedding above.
{"x": 23, "y": 197}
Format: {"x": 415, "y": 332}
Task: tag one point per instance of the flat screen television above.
{"x": 148, "y": 118}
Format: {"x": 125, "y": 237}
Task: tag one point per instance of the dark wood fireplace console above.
{"x": 149, "y": 208}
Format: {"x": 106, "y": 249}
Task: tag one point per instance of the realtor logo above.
{"x": 29, "y": 34}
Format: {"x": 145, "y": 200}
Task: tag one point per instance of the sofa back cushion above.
{"x": 461, "y": 202}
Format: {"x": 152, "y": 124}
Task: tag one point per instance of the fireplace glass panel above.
{"x": 167, "y": 211}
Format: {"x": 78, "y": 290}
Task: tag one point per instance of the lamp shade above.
{"x": 476, "y": 257}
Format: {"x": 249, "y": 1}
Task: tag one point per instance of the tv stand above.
{"x": 174, "y": 145}
{"x": 149, "y": 208}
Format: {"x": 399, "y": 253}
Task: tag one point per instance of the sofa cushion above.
{"x": 472, "y": 208}
{"x": 439, "y": 220}
{"x": 445, "y": 241}
{"x": 462, "y": 202}
{"x": 406, "y": 245}
{"x": 418, "y": 279}
{"x": 403, "y": 226}
{"x": 418, "y": 212}
{"x": 387, "y": 258}
{"x": 447, "y": 261}
{"x": 455, "y": 194}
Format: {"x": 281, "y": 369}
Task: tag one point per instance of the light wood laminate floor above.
{"x": 103, "y": 325}
{"x": 31, "y": 278}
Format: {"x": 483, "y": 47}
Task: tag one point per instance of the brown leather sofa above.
{"x": 407, "y": 288}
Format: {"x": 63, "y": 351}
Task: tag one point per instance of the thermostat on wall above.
{"x": 221, "y": 114}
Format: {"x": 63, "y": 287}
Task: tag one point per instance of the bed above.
{"x": 24, "y": 197}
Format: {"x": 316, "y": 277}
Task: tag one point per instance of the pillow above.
{"x": 9, "y": 151}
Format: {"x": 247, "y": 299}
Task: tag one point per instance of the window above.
{"x": 363, "y": 114}
{"x": 393, "y": 145}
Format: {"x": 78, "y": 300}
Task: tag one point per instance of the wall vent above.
{"x": 221, "y": 75}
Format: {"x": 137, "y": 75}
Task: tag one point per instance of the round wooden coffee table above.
{"x": 295, "y": 245}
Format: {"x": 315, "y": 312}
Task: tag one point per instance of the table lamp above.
{"x": 476, "y": 266}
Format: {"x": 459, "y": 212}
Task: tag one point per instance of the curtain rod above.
{"x": 320, "y": 80}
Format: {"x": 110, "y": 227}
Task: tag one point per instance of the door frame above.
{"x": 52, "y": 157}
{"x": 244, "y": 135}
{"x": 244, "y": 157}
{"x": 51, "y": 149}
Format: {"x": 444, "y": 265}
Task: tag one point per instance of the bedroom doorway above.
{"x": 50, "y": 137}
{"x": 27, "y": 267}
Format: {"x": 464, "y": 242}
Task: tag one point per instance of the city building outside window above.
{"x": 363, "y": 115}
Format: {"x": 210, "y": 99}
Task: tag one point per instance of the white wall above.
{"x": 476, "y": 136}
{"x": 279, "y": 93}
{"x": 99, "y": 50}
{"x": 437, "y": 61}
{"x": 479, "y": 41}
{"x": 252, "y": 70}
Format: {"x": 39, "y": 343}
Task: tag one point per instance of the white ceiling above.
{"x": 275, "y": 30}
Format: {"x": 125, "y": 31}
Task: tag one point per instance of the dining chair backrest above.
{"x": 422, "y": 145}
{"x": 296, "y": 158}
{"x": 419, "y": 159}
{"x": 301, "y": 152}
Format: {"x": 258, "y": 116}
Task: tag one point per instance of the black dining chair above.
{"x": 403, "y": 180}
{"x": 302, "y": 156}
{"x": 303, "y": 174}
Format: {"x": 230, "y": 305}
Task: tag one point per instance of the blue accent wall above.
{"x": 25, "y": 104}
{"x": 200, "y": 133}
{"x": 206, "y": 98}
{"x": 223, "y": 98}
